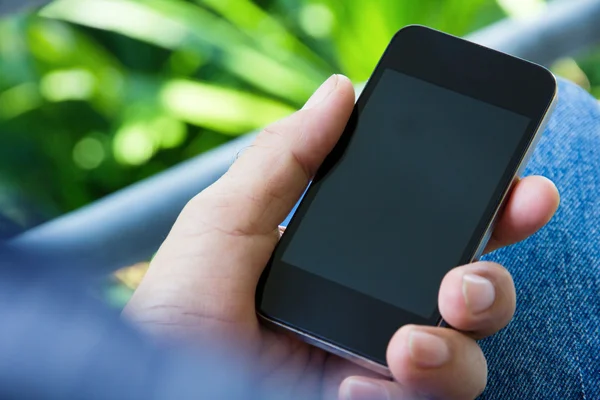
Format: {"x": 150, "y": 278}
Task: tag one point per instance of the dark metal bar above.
{"x": 567, "y": 28}
{"x": 129, "y": 225}
{"x": 11, "y": 6}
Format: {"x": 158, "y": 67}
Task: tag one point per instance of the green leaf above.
{"x": 174, "y": 24}
{"x": 226, "y": 110}
{"x": 269, "y": 34}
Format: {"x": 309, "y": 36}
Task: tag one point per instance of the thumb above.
{"x": 269, "y": 177}
{"x": 211, "y": 261}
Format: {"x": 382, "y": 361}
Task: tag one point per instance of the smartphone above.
{"x": 412, "y": 189}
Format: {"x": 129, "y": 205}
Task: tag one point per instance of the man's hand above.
{"x": 202, "y": 282}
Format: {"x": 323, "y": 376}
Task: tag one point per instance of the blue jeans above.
{"x": 551, "y": 349}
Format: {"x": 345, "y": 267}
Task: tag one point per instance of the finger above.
{"x": 263, "y": 185}
{"x": 478, "y": 298}
{"x": 437, "y": 363}
{"x": 363, "y": 388}
{"x": 532, "y": 203}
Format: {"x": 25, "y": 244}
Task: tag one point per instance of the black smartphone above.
{"x": 411, "y": 190}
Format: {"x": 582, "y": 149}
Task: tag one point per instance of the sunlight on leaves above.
{"x": 18, "y": 100}
{"x": 74, "y": 84}
{"x": 133, "y": 144}
{"x": 59, "y": 43}
{"x": 173, "y": 24}
{"x": 270, "y": 75}
{"x": 167, "y": 131}
{"x": 88, "y": 153}
{"x": 270, "y": 35}
{"x": 361, "y": 39}
{"x": 523, "y": 9}
{"x": 52, "y": 41}
{"x": 227, "y": 110}
{"x": 316, "y": 20}
{"x": 143, "y": 135}
{"x": 128, "y": 18}
{"x": 170, "y": 79}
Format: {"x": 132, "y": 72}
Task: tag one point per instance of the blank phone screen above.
{"x": 400, "y": 207}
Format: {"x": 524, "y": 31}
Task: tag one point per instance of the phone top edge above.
{"x": 480, "y": 45}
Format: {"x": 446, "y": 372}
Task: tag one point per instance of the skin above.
{"x": 201, "y": 285}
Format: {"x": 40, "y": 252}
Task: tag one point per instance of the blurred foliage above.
{"x": 98, "y": 94}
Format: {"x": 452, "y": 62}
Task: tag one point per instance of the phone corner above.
{"x": 552, "y": 83}
{"x": 410, "y": 29}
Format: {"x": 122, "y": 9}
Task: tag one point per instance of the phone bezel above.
{"x": 349, "y": 321}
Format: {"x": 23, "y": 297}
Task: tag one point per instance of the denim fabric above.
{"x": 552, "y": 347}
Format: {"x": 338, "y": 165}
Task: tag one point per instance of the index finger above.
{"x": 532, "y": 203}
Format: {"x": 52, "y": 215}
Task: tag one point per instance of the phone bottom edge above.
{"x": 329, "y": 347}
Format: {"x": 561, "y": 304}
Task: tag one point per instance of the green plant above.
{"x": 98, "y": 94}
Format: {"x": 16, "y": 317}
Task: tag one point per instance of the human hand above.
{"x": 201, "y": 284}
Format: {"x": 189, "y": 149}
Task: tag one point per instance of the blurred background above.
{"x": 96, "y": 95}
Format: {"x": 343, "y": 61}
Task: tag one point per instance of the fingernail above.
{"x": 322, "y": 92}
{"x": 427, "y": 350}
{"x": 479, "y": 293}
{"x": 359, "y": 389}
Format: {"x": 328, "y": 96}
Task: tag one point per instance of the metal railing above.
{"x": 11, "y": 6}
{"x": 128, "y": 226}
